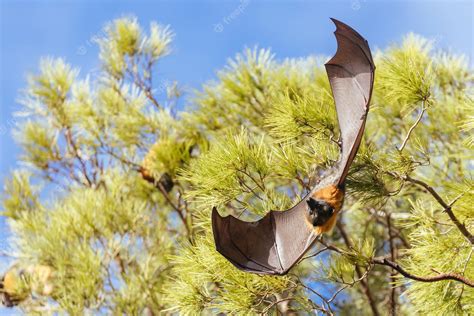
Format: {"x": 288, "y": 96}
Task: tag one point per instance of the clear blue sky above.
{"x": 207, "y": 34}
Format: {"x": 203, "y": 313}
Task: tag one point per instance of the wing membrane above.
{"x": 275, "y": 243}
{"x": 351, "y": 75}
{"x": 271, "y": 245}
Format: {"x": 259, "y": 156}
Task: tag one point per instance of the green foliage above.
{"x": 116, "y": 191}
{"x": 289, "y": 117}
{"x": 216, "y": 285}
{"x": 404, "y": 74}
{"x": 19, "y": 195}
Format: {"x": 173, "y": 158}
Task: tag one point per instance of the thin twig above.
{"x": 464, "y": 269}
{"x": 250, "y": 190}
{"x": 72, "y": 144}
{"x": 346, "y": 285}
{"x": 467, "y": 260}
{"x": 423, "y": 109}
{"x": 260, "y": 185}
{"x": 315, "y": 254}
{"x": 395, "y": 232}
{"x": 176, "y": 208}
{"x": 323, "y": 299}
{"x": 276, "y": 303}
{"x": 142, "y": 85}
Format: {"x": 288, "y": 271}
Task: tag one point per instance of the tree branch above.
{"x": 395, "y": 232}
{"x": 315, "y": 254}
{"x": 398, "y": 268}
{"x": 149, "y": 178}
{"x": 393, "y": 290}
{"x": 446, "y": 206}
{"x": 134, "y": 74}
{"x": 72, "y": 144}
{"x": 324, "y": 300}
{"x": 264, "y": 312}
{"x": 177, "y": 209}
{"x": 435, "y": 278}
{"x": 363, "y": 282}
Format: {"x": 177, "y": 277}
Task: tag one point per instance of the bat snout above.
{"x": 319, "y": 212}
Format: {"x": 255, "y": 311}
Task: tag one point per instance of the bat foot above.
{"x": 319, "y": 212}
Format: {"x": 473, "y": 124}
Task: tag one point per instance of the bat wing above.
{"x": 351, "y": 75}
{"x": 271, "y": 245}
{"x": 276, "y": 242}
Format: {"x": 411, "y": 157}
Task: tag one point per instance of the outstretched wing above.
{"x": 351, "y": 75}
{"x": 271, "y": 245}
{"x": 276, "y": 242}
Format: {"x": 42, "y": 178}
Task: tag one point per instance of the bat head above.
{"x": 319, "y": 211}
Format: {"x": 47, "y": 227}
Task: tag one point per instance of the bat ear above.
{"x": 312, "y": 203}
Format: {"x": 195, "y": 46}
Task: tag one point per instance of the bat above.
{"x": 164, "y": 182}
{"x": 18, "y": 283}
{"x": 10, "y": 289}
{"x": 276, "y": 242}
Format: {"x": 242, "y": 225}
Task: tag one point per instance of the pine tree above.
{"x": 116, "y": 186}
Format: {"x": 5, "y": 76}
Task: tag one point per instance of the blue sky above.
{"x": 207, "y": 34}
